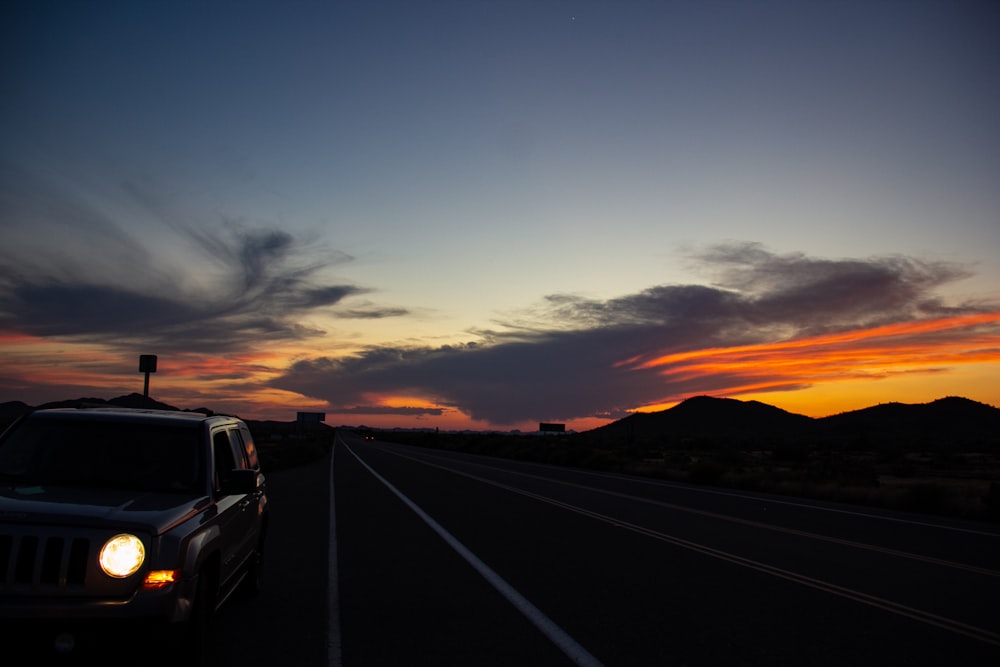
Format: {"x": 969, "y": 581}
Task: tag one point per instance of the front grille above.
{"x": 42, "y": 564}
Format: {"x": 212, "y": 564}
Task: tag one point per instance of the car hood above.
{"x": 154, "y": 512}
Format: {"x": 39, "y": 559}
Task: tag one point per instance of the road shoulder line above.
{"x": 333, "y": 640}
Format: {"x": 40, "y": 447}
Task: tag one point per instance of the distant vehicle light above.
{"x": 122, "y": 556}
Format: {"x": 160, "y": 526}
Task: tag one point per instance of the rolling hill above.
{"x": 708, "y": 417}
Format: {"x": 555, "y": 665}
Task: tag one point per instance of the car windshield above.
{"x": 98, "y": 453}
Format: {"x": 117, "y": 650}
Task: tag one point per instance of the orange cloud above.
{"x": 815, "y": 375}
{"x": 878, "y": 341}
{"x": 915, "y": 348}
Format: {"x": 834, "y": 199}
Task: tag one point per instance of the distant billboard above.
{"x": 311, "y": 417}
{"x": 548, "y": 427}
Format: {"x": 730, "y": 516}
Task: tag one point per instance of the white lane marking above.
{"x": 759, "y": 497}
{"x": 945, "y": 623}
{"x": 333, "y": 644}
{"x": 428, "y": 461}
{"x": 569, "y": 646}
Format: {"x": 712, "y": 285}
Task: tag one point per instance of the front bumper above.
{"x": 143, "y": 641}
{"x": 169, "y": 604}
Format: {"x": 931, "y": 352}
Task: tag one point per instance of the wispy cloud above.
{"x": 761, "y": 322}
{"x": 769, "y": 322}
{"x": 239, "y": 285}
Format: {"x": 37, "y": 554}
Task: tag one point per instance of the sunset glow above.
{"x": 904, "y": 344}
{"x": 486, "y": 216}
{"x": 910, "y": 350}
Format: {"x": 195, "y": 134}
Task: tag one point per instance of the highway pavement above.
{"x": 424, "y": 557}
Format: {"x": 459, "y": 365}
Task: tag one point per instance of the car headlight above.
{"x": 122, "y": 556}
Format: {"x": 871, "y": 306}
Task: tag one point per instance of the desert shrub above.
{"x": 890, "y": 452}
{"x": 991, "y": 502}
{"x": 708, "y": 472}
{"x": 925, "y": 497}
{"x": 790, "y": 452}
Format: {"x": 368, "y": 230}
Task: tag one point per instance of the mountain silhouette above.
{"x": 11, "y": 410}
{"x": 709, "y": 417}
{"x": 952, "y": 416}
{"x": 132, "y": 400}
{"x": 705, "y": 416}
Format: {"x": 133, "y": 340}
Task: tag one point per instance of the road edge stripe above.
{"x": 334, "y": 656}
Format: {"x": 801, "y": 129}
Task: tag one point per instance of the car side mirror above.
{"x": 240, "y": 482}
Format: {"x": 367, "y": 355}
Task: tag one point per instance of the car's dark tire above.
{"x": 195, "y": 644}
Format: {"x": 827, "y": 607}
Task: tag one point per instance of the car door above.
{"x": 236, "y": 512}
{"x": 246, "y": 457}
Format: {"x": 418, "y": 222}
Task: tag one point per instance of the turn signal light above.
{"x": 159, "y": 578}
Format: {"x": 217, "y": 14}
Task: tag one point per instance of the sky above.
{"x": 487, "y": 215}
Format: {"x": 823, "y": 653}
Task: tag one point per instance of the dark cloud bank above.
{"x": 568, "y": 358}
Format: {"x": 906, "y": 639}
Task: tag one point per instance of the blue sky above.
{"x": 459, "y": 212}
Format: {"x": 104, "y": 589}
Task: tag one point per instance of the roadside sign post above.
{"x": 147, "y": 365}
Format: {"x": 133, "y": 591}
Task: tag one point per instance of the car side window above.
{"x": 222, "y": 451}
{"x": 249, "y": 447}
{"x": 239, "y": 449}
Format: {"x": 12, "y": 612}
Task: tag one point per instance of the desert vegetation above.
{"x": 934, "y": 465}
{"x": 941, "y": 458}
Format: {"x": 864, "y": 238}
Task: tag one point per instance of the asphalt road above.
{"x": 286, "y": 624}
{"x": 445, "y": 559}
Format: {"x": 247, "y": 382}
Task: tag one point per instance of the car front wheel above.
{"x": 195, "y": 644}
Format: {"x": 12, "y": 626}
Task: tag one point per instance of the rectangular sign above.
{"x": 552, "y": 428}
